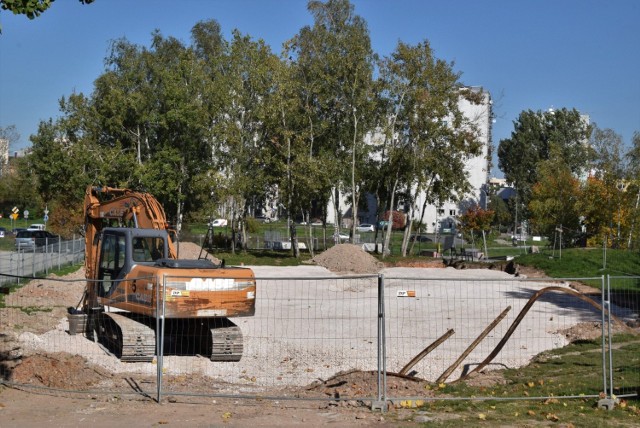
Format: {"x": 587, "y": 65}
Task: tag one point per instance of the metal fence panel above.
{"x": 36, "y": 261}
{"x": 420, "y": 310}
{"x": 306, "y": 330}
{"x": 624, "y": 295}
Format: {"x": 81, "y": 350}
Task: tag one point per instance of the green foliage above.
{"x": 334, "y": 82}
{"x": 555, "y": 200}
{"x": 17, "y": 189}
{"x": 30, "y": 8}
{"x": 476, "y": 219}
{"x": 502, "y": 217}
{"x": 534, "y": 137}
{"x": 425, "y": 137}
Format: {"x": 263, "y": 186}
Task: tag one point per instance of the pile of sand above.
{"x": 348, "y": 258}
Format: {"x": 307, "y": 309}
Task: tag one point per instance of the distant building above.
{"x": 441, "y": 217}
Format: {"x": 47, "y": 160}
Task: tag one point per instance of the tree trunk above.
{"x": 354, "y": 192}
{"x": 387, "y": 235}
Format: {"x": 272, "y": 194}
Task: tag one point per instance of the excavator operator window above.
{"x": 147, "y": 249}
{"x": 112, "y": 259}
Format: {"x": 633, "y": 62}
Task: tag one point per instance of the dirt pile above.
{"x": 58, "y": 370}
{"x": 348, "y": 258}
{"x": 191, "y": 251}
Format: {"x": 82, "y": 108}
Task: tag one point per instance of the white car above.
{"x": 365, "y": 227}
{"x": 342, "y": 237}
{"x": 219, "y": 222}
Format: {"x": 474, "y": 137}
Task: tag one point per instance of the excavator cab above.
{"x": 122, "y": 248}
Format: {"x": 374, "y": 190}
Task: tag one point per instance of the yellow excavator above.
{"x": 138, "y": 289}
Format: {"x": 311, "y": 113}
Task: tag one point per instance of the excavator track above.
{"x": 226, "y": 343}
{"x": 135, "y": 341}
{"x": 130, "y": 340}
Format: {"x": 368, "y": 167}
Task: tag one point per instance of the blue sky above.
{"x": 582, "y": 54}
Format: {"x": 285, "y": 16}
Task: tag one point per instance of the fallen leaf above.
{"x": 531, "y": 384}
{"x": 531, "y": 413}
{"x": 482, "y": 416}
{"x": 552, "y": 417}
{"x": 226, "y": 415}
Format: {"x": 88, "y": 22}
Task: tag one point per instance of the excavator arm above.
{"x": 105, "y": 206}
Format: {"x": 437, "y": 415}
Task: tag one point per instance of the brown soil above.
{"x": 348, "y": 258}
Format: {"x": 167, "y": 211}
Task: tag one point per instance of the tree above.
{"x": 30, "y": 8}
{"x": 531, "y": 141}
{"x": 335, "y": 63}
{"x": 475, "y": 220}
{"x": 554, "y": 203}
{"x": 633, "y": 158}
{"x": 502, "y": 216}
{"x": 241, "y": 133}
{"x": 18, "y": 188}
{"x": 426, "y": 138}
{"x": 609, "y": 191}
{"x": 8, "y": 137}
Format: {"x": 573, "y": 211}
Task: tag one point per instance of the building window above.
{"x": 441, "y": 211}
{"x": 452, "y": 212}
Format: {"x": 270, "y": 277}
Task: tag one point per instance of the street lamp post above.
{"x": 485, "y": 200}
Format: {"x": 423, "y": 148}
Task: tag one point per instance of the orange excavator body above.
{"x": 134, "y": 276}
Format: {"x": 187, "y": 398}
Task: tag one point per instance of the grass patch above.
{"x": 575, "y": 370}
{"x": 262, "y": 258}
{"x": 581, "y": 262}
{"x": 32, "y": 309}
{"x": 591, "y": 262}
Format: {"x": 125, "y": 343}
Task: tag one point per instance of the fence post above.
{"x": 609, "y": 336}
{"x": 381, "y": 403}
{"x": 160, "y": 334}
{"x": 607, "y": 403}
{"x": 603, "y": 337}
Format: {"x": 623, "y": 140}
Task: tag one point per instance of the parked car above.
{"x": 36, "y": 227}
{"x": 3, "y": 232}
{"x": 219, "y": 222}
{"x": 17, "y": 229}
{"x": 365, "y": 227}
{"x": 420, "y": 238}
{"x": 342, "y": 237}
{"x": 33, "y": 239}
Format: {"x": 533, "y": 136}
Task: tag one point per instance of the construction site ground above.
{"x": 60, "y": 372}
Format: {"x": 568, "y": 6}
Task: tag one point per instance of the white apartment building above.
{"x": 443, "y": 218}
